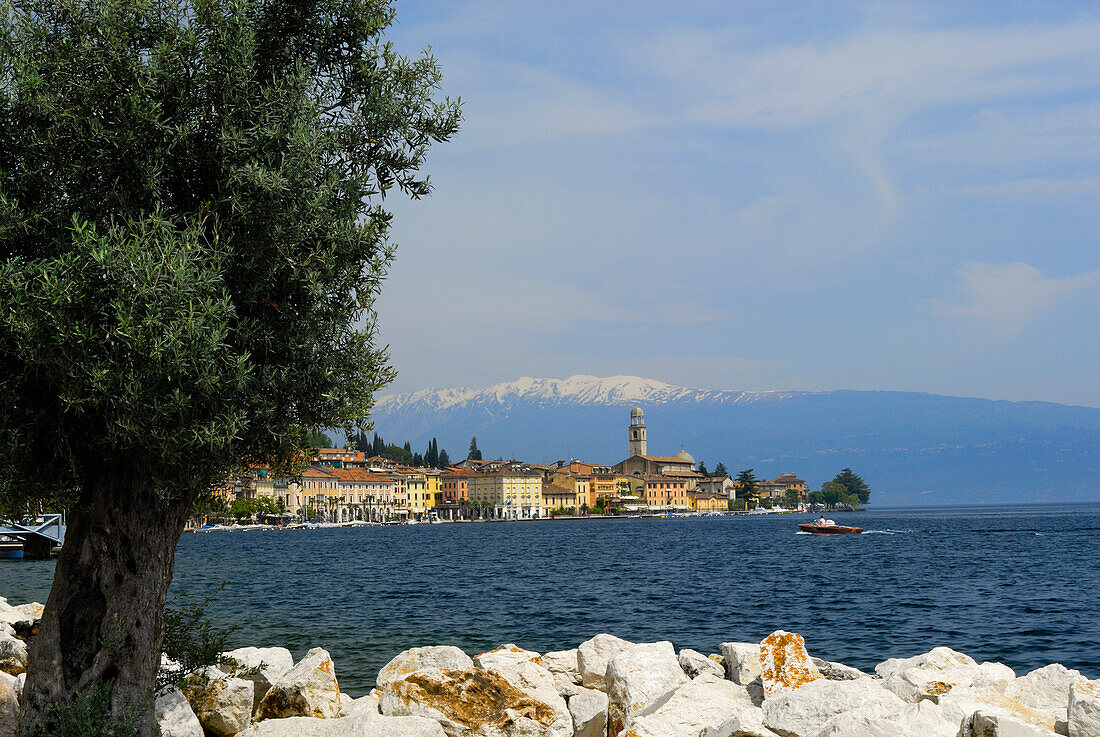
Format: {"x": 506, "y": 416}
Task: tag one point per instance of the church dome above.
{"x": 636, "y": 412}
{"x": 683, "y": 455}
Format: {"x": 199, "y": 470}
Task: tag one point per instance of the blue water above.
{"x": 1018, "y": 585}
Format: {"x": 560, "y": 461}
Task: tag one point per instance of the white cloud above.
{"x": 883, "y": 74}
{"x": 1008, "y": 296}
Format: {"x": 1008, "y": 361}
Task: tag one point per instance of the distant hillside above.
{"x": 912, "y": 448}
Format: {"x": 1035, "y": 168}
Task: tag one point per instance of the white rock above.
{"x": 746, "y": 724}
{"x": 13, "y": 654}
{"x": 1084, "y": 709}
{"x": 935, "y": 659}
{"x": 309, "y": 689}
{"x": 639, "y": 680}
{"x": 804, "y": 711}
{"x": 995, "y": 725}
{"x": 707, "y": 702}
{"x": 357, "y": 725}
{"x": 473, "y": 702}
{"x": 223, "y": 704}
{"x": 923, "y": 720}
{"x": 524, "y": 670}
{"x": 695, "y": 663}
{"x": 174, "y": 715}
{"x": 837, "y": 671}
{"x": 1045, "y": 689}
{"x": 506, "y": 655}
{"x": 369, "y": 704}
{"x": 785, "y": 663}
{"x": 9, "y": 706}
{"x": 742, "y": 661}
{"x": 22, "y": 616}
{"x": 261, "y": 665}
{"x": 423, "y": 658}
{"x": 940, "y": 671}
{"x": 594, "y": 655}
{"x": 20, "y": 681}
{"x": 588, "y": 711}
{"x": 563, "y": 664}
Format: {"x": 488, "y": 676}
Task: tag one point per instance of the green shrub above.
{"x": 191, "y": 640}
{"x": 88, "y": 715}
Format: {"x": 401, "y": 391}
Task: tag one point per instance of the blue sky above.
{"x": 768, "y": 195}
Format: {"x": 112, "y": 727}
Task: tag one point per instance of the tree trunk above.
{"x": 102, "y": 623}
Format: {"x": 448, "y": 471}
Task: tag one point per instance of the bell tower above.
{"x": 636, "y": 433}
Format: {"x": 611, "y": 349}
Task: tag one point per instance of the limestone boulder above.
{"x": 1084, "y": 709}
{"x": 938, "y": 672}
{"x": 13, "y": 654}
{"x": 594, "y": 655}
{"x": 174, "y": 715}
{"x": 472, "y": 701}
{"x": 639, "y": 679}
{"x": 742, "y": 661}
{"x": 309, "y": 689}
{"x": 981, "y": 724}
{"x": 923, "y": 720}
{"x": 784, "y": 662}
{"x": 745, "y": 724}
{"x": 406, "y": 663}
{"x": 524, "y": 670}
{"x": 261, "y": 665}
{"x": 22, "y": 617}
{"x": 588, "y": 712}
{"x": 960, "y": 703}
{"x": 357, "y": 725}
{"x": 506, "y": 655}
{"x": 1045, "y": 690}
{"x": 695, "y": 664}
{"x": 937, "y": 658}
{"x": 707, "y": 702}
{"x": 222, "y": 703}
{"x": 370, "y": 704}
{"x": 837, "y": 671}
{"x": 804, "y": 711}
{"x": 563, "y": 664}
{"x": 9, "y": 706}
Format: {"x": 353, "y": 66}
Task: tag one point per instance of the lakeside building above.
{"x": 722, "y": 485}
{"x": 776, "y": 490}
{"x": 512, "y": 493}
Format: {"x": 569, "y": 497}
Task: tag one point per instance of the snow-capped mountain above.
{"x": 912, "y": 448}
{"x": 581, "y": 388}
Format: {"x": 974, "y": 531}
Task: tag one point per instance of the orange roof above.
{"x": 359, "y": 474}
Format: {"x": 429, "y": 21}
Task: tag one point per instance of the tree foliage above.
{"x": 474, "y": 453}
{"x": 192, "y": 236}
{"x": 191, "y": 227}
{"x": 854, "y": 485}
{"x": 746, "y": 485}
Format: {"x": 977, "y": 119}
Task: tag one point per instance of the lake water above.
{"x": 1019, "y": 585}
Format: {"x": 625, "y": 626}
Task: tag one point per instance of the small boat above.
{"x": 830, "y": 529}
{"x": 11, "y": 548}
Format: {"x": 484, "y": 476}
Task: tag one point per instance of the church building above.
{"x": 640, "y": 463}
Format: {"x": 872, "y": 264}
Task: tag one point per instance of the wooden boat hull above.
{"x": 830, "y": 529}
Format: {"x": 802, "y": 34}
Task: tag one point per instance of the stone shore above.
{"x": 605, "y": 687}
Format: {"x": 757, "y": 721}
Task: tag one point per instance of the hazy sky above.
{"x": 758, "y": 195}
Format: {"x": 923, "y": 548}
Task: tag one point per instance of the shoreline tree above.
{"x": 192, "y": 236}
{"x": 746, "y": 486}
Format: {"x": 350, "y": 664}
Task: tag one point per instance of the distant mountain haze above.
{"x": 912, "y": 448}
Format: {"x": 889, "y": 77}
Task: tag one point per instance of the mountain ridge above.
{"x": 914, "y": 447}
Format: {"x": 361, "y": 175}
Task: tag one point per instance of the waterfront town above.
{"x": 345, "y": 485}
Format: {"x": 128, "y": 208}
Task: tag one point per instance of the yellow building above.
{"x": 668, "y": 493}
{"x": 558, "y": 497}
{"x": 581, "y": 486}
{"x": 511, "y": 493}
{"x": 709, "y": 501}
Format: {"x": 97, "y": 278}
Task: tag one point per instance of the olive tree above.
{"x": 192, "y": 235}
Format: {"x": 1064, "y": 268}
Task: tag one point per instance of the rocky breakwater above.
{"x": 606, "y": 687}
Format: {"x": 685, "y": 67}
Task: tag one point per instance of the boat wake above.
{"x": 886, "y": 532}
